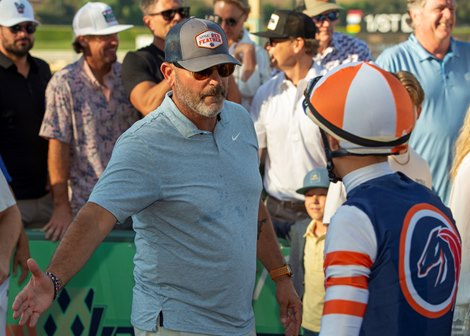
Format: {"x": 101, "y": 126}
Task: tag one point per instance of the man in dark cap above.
{"x": 188, "y": 175}
{"x": 289, "y": 145}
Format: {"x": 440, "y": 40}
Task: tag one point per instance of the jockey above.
{"x": 392, "y": 252}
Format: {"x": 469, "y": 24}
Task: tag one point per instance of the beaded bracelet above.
{"x": 56, "y": 282}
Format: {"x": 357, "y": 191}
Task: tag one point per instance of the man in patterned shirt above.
{"x": 86, "y": 111}
{"x": 334, "y": 48}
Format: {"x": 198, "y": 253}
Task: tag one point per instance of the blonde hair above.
{"x": 415, "y": 3}
{"x": 412, "y": 4}
{"x": 462, "y": 145}
{"x": 412, "y": 85}
{"x": 242, "y": 4}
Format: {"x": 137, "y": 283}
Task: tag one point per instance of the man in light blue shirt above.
{"x": 442, "y": 65}
{"x": 188, "y": 175}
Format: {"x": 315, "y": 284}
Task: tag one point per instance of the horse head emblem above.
{"x": 442, "y": 243}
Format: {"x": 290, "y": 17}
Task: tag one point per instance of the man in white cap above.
{"x": 334, "y": 48}
{"x": 23, "y": 81}
{"x": 188, "y": 174}
{"x": 86, "y": 111}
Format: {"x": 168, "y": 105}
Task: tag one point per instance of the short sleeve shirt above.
{"x": 6, "y": 198}
{"x": 140, "y": 66}
{"x": 22, "y": 106}
{"x": 446, "y": 84}
{"x": 79, "y": 114}
{"x": 194, "y": 197}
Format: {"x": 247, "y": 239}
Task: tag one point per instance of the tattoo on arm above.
{"x": 261, "y": 222}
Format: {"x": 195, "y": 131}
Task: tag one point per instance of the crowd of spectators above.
{"x": 58, "y": 132}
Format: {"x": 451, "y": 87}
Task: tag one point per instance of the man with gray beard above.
{"x": 188, "y": 175}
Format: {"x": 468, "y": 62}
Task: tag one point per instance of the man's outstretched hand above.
{"x": 35, "y": 298}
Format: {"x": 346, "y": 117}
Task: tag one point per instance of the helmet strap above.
{"x": 329, "y": 158}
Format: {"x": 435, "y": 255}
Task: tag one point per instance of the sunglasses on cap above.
{"x": 224, "y": 70}
{"x": 231, "y": 22}
{"x": 169, "y": 14}
{"x": 29, "y": 28}
{"x": 331, "y": 16}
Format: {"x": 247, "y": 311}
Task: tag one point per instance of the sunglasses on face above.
{"x": 231, "y": 22}
{"x": 272, "y": 42}
{"x": 224, "y": 70}
{"x": 332, "y": 16}
{"x": 169, "y": 14}
{"x": 29, "y": 28}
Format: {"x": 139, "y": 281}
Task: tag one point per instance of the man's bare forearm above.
{"x": 91, "y": 225}
{"x": 268, "y": 249}
{"x": 59, "y": 169}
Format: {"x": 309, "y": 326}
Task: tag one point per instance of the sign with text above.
{"x": 387, "y": 23}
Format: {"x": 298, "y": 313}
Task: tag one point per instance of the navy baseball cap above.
{"x": 316, "y": 178}
{"x": 197, "y": 44}
{"x": 288, "y": 23}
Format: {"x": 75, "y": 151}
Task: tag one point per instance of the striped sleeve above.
{"x": 350, "y": 251}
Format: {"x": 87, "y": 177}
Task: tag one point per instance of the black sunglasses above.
{"x": 169, "y": 14}
{"x": 29, "y": 28}
{"x": 273, "y": 41}
{"x": 331, "y": 16}
{"x": 224, "y": 70}
{"x": 231, "y": 22}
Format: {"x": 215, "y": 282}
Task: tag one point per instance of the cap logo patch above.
{"x": 209, "y": 39}
{"x": 273, "y": 21}
{"x": 314, "y": 177}
{"x": 109, "y": 16}
{"x": 19, "y": 7}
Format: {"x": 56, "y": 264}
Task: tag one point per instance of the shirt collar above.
{"x": 185, "y": 126}
{"x": 284, "y": 83}
{"x": 423, "y": 54}
{"x": 6, "y": 62}
{"x": 108, "y": 78}
{"x": 310, "y": 232}
{"x": 361, "y": 175}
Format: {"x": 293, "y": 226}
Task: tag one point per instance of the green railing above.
{"x": 98, "y": 299}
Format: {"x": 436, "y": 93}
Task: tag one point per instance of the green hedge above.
{"x": 54, "y": 37}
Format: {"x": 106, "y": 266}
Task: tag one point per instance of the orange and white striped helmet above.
{"x": 364, "y": 106}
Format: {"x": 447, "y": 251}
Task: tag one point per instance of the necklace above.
{"x": 405, "y": 155}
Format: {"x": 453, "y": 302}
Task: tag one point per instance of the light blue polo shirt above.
{"x": 193, "y": 196}
{"x": 446, "y": 84}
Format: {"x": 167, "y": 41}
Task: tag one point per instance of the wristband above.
{"x": 56, "y": 282}
{"x": 279, "y": 272}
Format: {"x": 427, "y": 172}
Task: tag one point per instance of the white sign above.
{"x": 387, "y": 23}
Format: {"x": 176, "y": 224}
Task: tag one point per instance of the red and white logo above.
{"x": 209, "y": 39}
{"x": 429, "y": 266}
